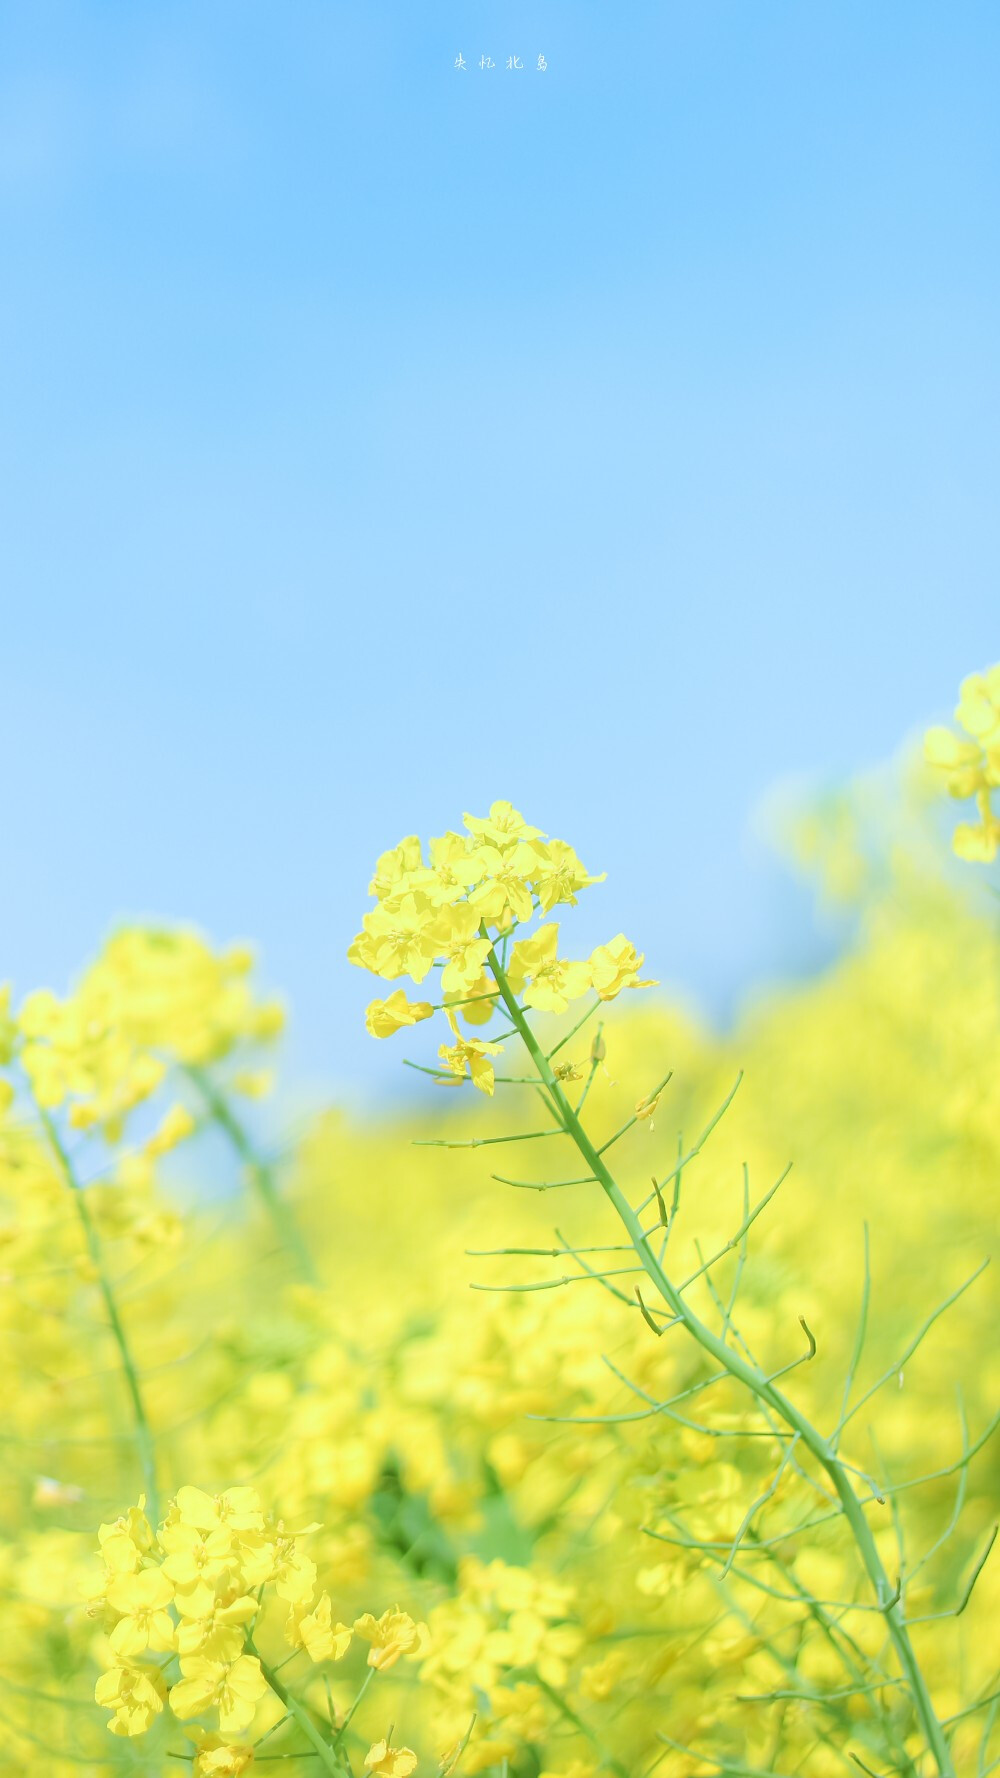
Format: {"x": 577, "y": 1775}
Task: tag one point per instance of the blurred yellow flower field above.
{"x": 624, "y": 1407}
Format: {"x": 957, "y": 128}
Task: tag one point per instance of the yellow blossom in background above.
{"x": 970, "y": 767}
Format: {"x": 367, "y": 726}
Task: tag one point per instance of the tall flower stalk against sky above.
{"x": 466, "y": 911}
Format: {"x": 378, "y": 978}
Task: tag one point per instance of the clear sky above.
{"x": 378, "y": 437}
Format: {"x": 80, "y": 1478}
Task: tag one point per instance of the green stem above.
{"x": 753, "y": 1379}
{"x": 260, "y": 1175}
{"x": 301, "y": 1716}
{"x": 143, "y": 1432}
{"x": 349, "y": 1718}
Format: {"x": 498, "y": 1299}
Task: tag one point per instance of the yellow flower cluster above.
{"x": 153, "y": 999}
{"x": 604, "y": 1562}
{"x": 503, "y": 1625}
{"x": 970, "y": 764}
{"x": 477, "y": 889}
{"x": 194, "y": 1592}
{"x": 191, "y": 1589}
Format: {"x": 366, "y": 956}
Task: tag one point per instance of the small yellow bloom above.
{"x": 237, "y": 1509}
{"x": 552, "y": 981}
{"x": 503, "y": 826}
{"x": 135, "y": 1694}
{"x": 470, "y": 1054}
{"x": 385, "y": 1017}
{"x": 392, "y": 1635}
{"x": 234, "y": 1688}
{"x": 615, "y": 966}
{"x": 395, "y": 867}
{"x": 126, "y": 1540}
{"x": 217, "y": 1757}
{"x": 316, "y": 1632}
{"x": 396, "y": 939}
{"x": 457, "y": 938}
{"x": 560, "y": 875}
{"x": 502, "y": 894}
{"x": 390, "y": 1762}
{"x": 142, "y": 1601}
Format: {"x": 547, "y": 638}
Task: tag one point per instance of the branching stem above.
{"x": 744, "y": 1371}
{"x": 143, "y": 1432}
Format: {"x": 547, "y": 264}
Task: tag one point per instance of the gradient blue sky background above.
{"x": 378, "y": 438}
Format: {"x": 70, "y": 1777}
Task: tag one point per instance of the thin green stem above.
{"x": 259, "y": 1173}
{"x": 143, "y": 1432}
{"x": 349, "y": 1718}
{"x": 302, "y": 1717}
{"x": 753, "y": 1379}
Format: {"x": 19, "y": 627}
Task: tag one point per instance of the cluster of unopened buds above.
{"x": 450, "y": 913}
{"x": 193, "y": 1592}
{"x": 970, "y": 763}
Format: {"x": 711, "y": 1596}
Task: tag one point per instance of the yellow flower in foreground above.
{"x": 218, "y": 1758}
{"x": 126, "y": 1539}
{"x": 503, "y": 894}
{"x": 457, "y": 938}
{"x": 616, "y": 966}
{"x": 502, "y": 826}
{"x": 395, "y": 938}
{"x": 145, "y": 1622}
{"x": 471, "y": 1054}
{"x": 238, "y": 1509}
{"x": 560, "y": 875}
{"x": 395, "y": 867}
{"x": 385, "y": 1017}
{"x": 316, "y": 1632}
{"x": 135, "y": 1694}
{"x": 552, "y": 981}
{"x": 391, "y": 1635}
{"x": 234, "y": 1688}
{"x": 390, "y": 1762}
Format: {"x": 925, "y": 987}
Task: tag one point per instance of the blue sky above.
{"x": 379, "y": 437}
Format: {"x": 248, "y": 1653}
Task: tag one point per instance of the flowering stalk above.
{"x": 143, "y": 1431}
{"x": 465, "y": 911}
{"x": 259, "y": 1173}
{"x": 743, "y": 1371}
